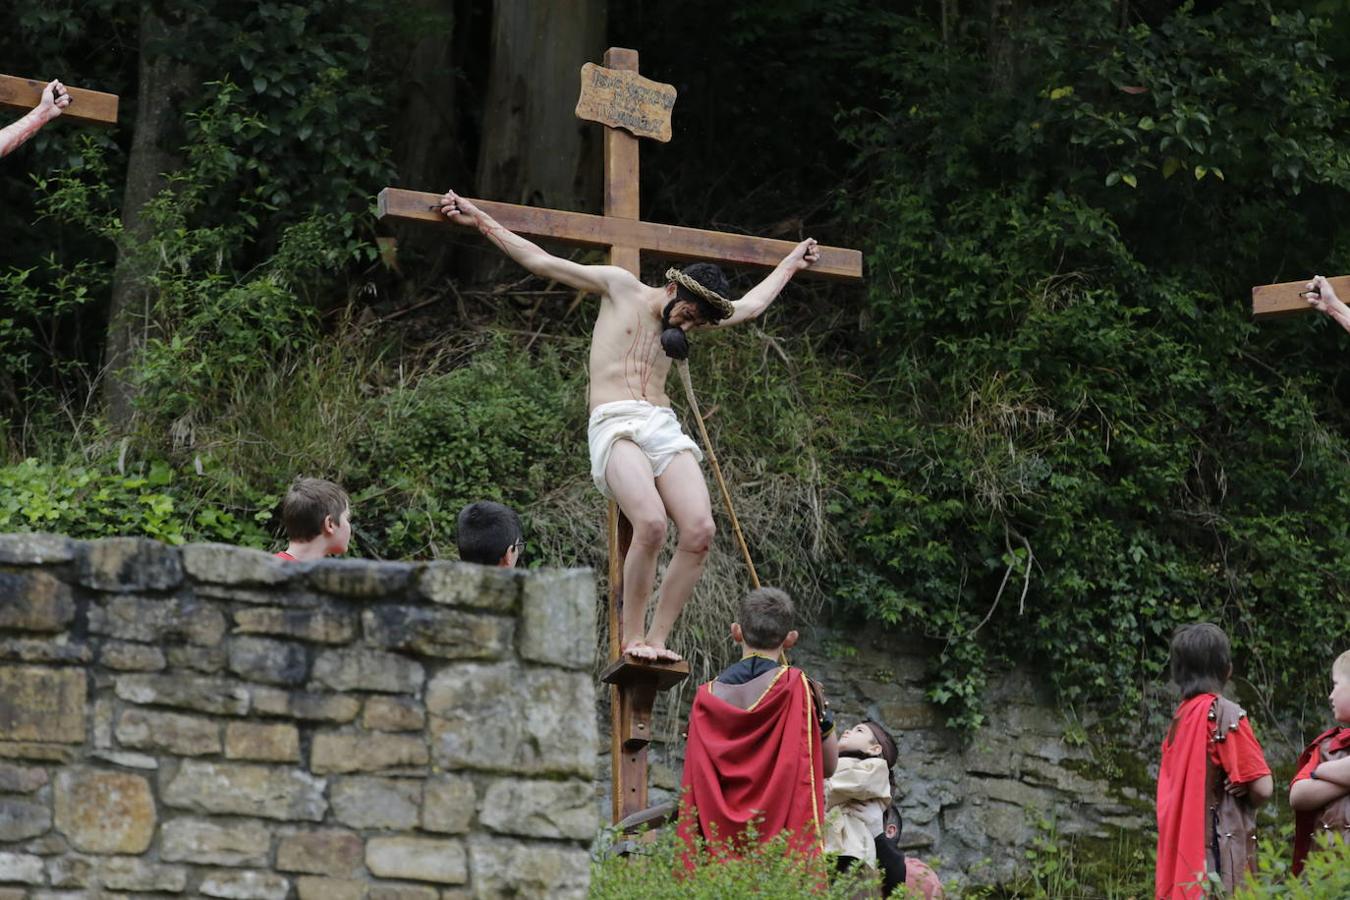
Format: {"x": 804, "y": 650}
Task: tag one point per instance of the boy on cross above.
{"x": 640, "y": 457}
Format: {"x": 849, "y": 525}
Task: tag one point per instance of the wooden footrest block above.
{"x": 663, "y": 675}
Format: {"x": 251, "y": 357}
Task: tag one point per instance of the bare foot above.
{"x": 641, "y": 651}
{"x": 664, "y": 654}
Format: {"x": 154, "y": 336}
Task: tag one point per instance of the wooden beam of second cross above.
{"x": 606, "y": 231}
{"x": 1270, "y": 301}
{"x": 85, "y": 106}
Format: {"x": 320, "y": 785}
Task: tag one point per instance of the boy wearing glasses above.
{"x": 489, "y": 534}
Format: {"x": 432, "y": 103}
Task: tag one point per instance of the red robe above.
{"x": 763, "y": 764}
{"x": 1182, "y": 859}
{"x": 1310, "y": 758}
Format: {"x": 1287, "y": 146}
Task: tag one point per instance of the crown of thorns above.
{"x": 722, "y": 307}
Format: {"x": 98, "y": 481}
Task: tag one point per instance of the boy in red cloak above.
{"x": 1320, "y": 792}
{"x": 760, "y": 743}
{"x": 1212, "y": 777}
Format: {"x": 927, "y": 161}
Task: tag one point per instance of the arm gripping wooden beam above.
{"x": 85, "y": 106}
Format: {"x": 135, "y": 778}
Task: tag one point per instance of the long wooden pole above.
{"x": 683, "y": 366}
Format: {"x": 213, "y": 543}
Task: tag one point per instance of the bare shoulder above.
{"x": 621, "y": 284}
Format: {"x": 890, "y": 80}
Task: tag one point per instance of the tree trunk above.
{"x": 163, "y": 84}
{"x": 534, "y": 150}
{"x": 1004, "y": 16}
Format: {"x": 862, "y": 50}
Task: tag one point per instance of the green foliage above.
{"x": 1325, "y": 875}
{"x": 1083, "y": 441}
{"x": 720, "y": 872}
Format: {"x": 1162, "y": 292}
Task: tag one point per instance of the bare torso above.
{"x": 627, "y": 362}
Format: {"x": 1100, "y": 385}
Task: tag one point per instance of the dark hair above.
{"x": 486, "y": 530}
{"x": 308, "y": 502}
{"x": 889, "y": 752}
{"x": 1201, "y": 659}
{"x": 712, "y": 278}
{"x": 765, "y": 617}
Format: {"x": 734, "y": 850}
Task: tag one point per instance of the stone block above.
{"x": 384, "y": 803}
{"x": 330, "y": 852}
{"x": 22, "y": 819}
{"x": 444, "y": 633}
{"x": 208, "y": 695}
{"x": 127, "y": 759}
{"x": 393, "y": 714}
{"x": 154, "y": 620}
{"x": 320, "y": 626}
{"x": 23, "y": 868}
{"x": 130, "y": 564}
{"x": 208, "y": 660}
{"x": 50, "y": 844}
{"x": 507, "y": 868}
{"x": 418, "y": 859}
{"x": 245, "y": 885}
{"x": 448, "y": 802}
{"x": 402, "y": 892}
{"x": 361, "y": 578}
{"x": 343, "y": 753}
{"x": 472, "y": 586}
{"x": 502, "y": 718}
{"x": 60, "y": 649}
{"x": 541, "y": 809}
{"x": 104, "y": 812}
{"x": 146, "y": 729}
{"x": 35, "y": 549}
{"x": 69, "y": 871}
{"x": 368, "y": 670}
{"x": 42, "y": 705}
{"x": 269, "y": 743}
{"x": 305, "y": 706}
{"x": 34, "y": 752}
{"x": 293, "y": 596}
{"x": 269, "y": 661}
{"x": 127, "y": 657}
{"x": 227, "y": 564}
{"x": 245, "y": 790}
{"x": 34, "y": 601}
{"x": 910, "y": 716}
{"x": 215, "y": 843}
{"x": 557, "y": 619}
{"x": 131, "y": 873}
{"x": 21, "y": 779}
{"x": 309, "y": 887}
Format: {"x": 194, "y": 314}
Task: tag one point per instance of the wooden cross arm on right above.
{"x": 85, "y": 106}
{"x": 607, "y": 231}
{"x": 1271, "y": 301}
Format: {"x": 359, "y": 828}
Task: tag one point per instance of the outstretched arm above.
{"x": 758, "y": 298}
{"x": 596, "y": 279}
{"x": 1322, "y": 297}
{"x": 54, "y": 100}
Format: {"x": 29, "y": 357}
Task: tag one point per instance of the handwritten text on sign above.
{"x": 626, "y": 100}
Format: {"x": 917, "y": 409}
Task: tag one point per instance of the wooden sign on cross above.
{"x": 85, "y": 105}
{"x": 623, "y": 101}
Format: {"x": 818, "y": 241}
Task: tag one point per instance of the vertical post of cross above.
{"x": 628, "y": 783}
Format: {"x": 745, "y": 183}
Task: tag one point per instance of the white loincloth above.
{"x": 654, "y": 429}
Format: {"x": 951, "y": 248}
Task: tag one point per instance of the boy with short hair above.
{"x": 1212, "y": 777}
{"x": 489, "y": 534}
{"x": 318, "y": 519}
{"x": 760, "y": 743}
{"x": 1320, "y": 792}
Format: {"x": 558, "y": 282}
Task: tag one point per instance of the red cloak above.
{"x": 762, "y": 763}
{"x": 1182, "y": 782}
{"x": 1307, "y": 761}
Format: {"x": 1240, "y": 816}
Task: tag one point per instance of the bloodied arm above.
{"x": 1321, "y": 296}
{"x": 596, "y": 279}
{"x": 54, "y": 100}
{"x": 758, "y": 298}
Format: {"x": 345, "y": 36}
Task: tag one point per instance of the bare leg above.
{"x": 685, "y": 495}
{"x": 629, "y": 476}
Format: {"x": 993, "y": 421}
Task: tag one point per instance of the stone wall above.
{"x": 208, "y": 721}
{"x": 971, "y": 807}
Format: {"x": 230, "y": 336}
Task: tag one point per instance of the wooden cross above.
{"x": 634, "y": 104}
{"x": 85, "y": 105}
{"x": 1273, "y": 301}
